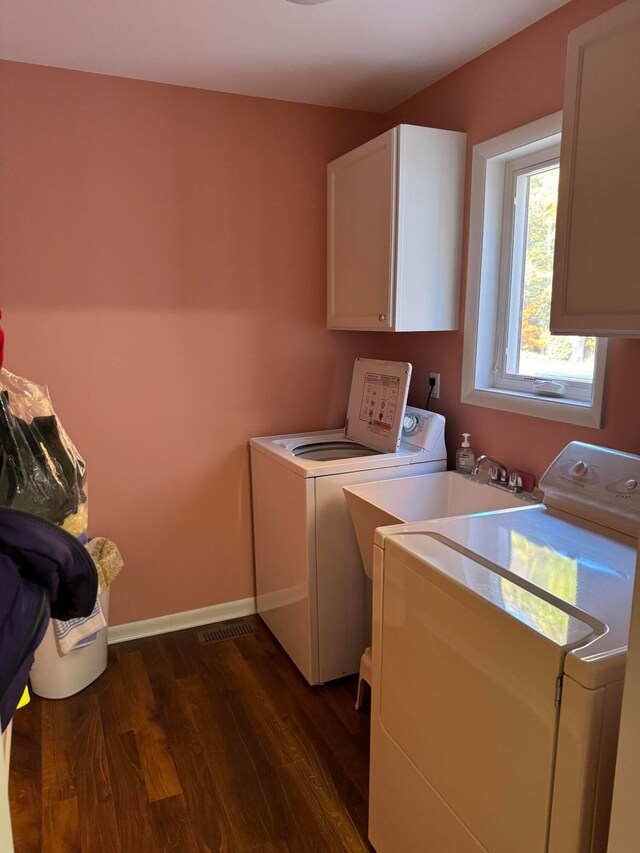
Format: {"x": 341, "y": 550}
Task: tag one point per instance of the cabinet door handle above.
{"x": 382, "y": 317}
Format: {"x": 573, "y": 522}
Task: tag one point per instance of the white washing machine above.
{"x": 499, "y": 647}
{"x": 311, "y": 588}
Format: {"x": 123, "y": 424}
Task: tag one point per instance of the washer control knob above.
{"x": 631, "y": 484}
{"x": 411, "y": 424}
{"x": 580, "y": 469}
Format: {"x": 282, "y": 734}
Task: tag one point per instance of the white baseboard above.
{"x": 180, "y": 621}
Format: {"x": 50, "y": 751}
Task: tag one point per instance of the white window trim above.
{"x": 484, "y": 260}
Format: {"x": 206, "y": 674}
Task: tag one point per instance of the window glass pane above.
{"x": 538, "y": 352}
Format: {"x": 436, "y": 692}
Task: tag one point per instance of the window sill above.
{"x": 521, "y": 403}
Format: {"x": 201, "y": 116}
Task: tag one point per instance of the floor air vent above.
{"x": 228, "y": 632}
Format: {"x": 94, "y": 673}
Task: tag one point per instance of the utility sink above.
{"x": 421, "y": 498}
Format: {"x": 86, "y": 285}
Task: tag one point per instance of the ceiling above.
{"x": 362, "y": 54}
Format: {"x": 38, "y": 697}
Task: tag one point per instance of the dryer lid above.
{"x": 377, "y": 403}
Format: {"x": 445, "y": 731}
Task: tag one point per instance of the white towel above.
{"x": 79, "y": 632}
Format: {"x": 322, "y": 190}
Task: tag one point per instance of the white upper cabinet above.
{"x": 394, "y": 229}
{"x": 596, "y": 278}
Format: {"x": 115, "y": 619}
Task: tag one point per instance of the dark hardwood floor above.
{"x": 184, "y": 747}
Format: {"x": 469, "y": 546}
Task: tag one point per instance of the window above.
{"x": 511, "y": 360}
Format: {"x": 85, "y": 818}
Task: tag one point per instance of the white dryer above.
{"x": 310, "y": 585}
{"x": 499, "y": 648}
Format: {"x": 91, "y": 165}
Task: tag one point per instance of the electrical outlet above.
{"x": 436, "y": 388}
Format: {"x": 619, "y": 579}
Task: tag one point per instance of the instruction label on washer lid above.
{"x": 380, "y": 402}
{"x": 377, "y": 400}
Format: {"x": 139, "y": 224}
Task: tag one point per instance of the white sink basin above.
{"x": 421, "y": 498}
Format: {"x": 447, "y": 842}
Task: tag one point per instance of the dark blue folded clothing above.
{"x": 24, "y": 615}
{"x": 43, "y": 571}
{"x": 52, "y": 558}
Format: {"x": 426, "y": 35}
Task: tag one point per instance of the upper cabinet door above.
{"x": 361, "y": 256}
{"x": 596, "y": 279}
{"x": 395, "y": 211}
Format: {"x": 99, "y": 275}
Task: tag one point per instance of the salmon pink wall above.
{"x": 162, "y": 268}
{"x": 518, "y": 81}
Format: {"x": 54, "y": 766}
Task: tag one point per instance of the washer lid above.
{"x": 377, "y": 403}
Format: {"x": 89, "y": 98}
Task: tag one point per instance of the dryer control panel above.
{"x": 596, "y": 483}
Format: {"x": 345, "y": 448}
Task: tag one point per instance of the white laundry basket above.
{"x": 56, "y": 676}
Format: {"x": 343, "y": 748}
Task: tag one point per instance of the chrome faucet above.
{"x": 497, "y": 471}
{"x": 498, "y": 474}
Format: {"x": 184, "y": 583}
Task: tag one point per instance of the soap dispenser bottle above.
{"x": 465, "y": 457}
